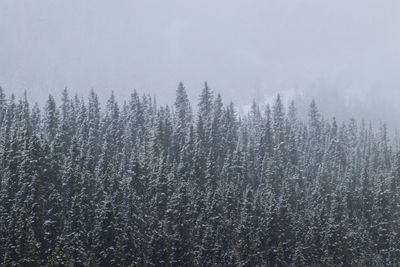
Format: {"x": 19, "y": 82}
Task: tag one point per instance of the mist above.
{"x": 345, "y": 54}
{"x": 156, "y": 167}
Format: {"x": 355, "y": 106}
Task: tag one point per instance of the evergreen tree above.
{"x": 51, "y": 118}
{"x": 179, "y": 223}
{"x": 107, "y": 249}
{"x": 8, "y": 262}
{"x": 183, "y": 114}
{"x": 248, "y": 239}
{"x": 54, "y": 224}
{"x": 28, "y": 250}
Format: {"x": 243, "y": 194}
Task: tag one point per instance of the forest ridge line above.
{"x": 137, "y": 184}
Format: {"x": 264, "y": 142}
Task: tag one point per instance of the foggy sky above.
{"x": 338, "y": 50}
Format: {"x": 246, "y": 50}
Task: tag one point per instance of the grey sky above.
{"x": 239, "y": 47}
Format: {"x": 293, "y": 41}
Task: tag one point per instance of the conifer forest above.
{"x": 134, "y": 183}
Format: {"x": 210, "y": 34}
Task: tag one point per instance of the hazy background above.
{"x": 343, "y": 53}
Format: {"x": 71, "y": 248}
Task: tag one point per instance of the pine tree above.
{"x": 54, "y": 224}
{"x": 51, "y": 118}
{"x": 179, "y": 223}
{"x": 28, "y": 248}
{"x": 35, "y": 198}
{"x": 134, "y": 228}
{"x": 76, "y": 235}
{"x": 107, "y": 235}
{"x": 3, "y": 107}
{"x": 382, "y": 222}
{"x": 337, "y": 237}
{"x": 298, "y": 258}
{"x": 248, "y": 239}
{"x": 8, "y": 262}
{"x": 158, "y": 250}
{"x": 183, "y": 116}
{"x": 205, "y": 104}
{"x": 71, "y": 176}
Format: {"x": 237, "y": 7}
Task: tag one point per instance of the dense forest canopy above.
{"x": 136, "y": 184}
